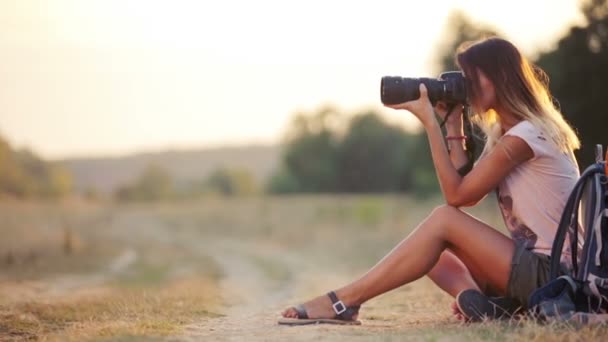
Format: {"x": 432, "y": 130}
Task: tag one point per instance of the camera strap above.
{"x": 470, "y": 144}
{"x": 445, "y": 119}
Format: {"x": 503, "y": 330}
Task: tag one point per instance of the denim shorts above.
{"x": 529, "y": 271}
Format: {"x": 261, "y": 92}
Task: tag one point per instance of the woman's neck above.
{"x": 507, "y": 120}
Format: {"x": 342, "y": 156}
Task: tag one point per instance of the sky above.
{"x": 114, "y": 77}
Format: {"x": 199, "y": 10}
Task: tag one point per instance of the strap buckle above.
{"x": 339, "y": 307}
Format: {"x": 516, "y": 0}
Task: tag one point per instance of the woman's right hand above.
{"x": 455, "y": 118}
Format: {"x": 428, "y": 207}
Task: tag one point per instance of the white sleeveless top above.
{"x": 533, "y": 196}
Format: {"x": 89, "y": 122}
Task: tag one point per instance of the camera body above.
{"x": 449, "y": 87}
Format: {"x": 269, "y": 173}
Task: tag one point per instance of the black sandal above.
{"x": 344, "y": 315}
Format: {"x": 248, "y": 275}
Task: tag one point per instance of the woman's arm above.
{"x": 486, "y": 175}
{"x": 454, "y": 128}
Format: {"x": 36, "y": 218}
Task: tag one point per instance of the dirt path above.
{"x": 258, "y": 257}
{"x": 229, "y": 266}
{"x": 260, "y": 282}
{"x": 254, "y": 287}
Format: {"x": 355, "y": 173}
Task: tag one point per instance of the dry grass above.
{"x": 221, "y": 269}
{"x": 107, "y": 312}
{"x": 77, "y": 273}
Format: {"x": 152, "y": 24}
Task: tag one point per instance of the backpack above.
{"x": 581, "y": 292}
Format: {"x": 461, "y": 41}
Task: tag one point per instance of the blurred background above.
{"x": 143, "y": 142}
{"x": 104, "y": 98}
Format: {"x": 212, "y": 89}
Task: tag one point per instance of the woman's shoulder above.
{"x": 524, "y": 127}
{"x": 534, "y": 136}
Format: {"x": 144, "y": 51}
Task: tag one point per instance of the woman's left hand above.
{"x": 420, "y": 107}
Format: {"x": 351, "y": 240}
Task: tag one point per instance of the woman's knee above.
{"x": 442, "y": 217}
{"x": 445, "y": 212}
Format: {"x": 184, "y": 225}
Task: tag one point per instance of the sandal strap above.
{"x": 302, "y": 314}
{"x": 342, "y": 311}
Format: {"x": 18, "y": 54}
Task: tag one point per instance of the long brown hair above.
{"x": 521, "y": 88}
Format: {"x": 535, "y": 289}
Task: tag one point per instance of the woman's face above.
{"x": 486, "y": 98}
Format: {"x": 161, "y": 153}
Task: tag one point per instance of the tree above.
{"x": 59, "y": 181}
{"x": 578, "y": 68}
{"x": 283, "y": 182}
{"x": 23, "y": 174}
{"x": 423, "y": 175}
{"x": 153, "y": 184}
{"x": 326, "y": 152}
{"x": 458, "y": 29}
{"x": 373, "y": 156}
{"x": 12, "y": 178}
{"x": 231, "y": 182}
{"x": 312, "y": 150}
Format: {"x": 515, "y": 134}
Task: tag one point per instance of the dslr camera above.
{"x": 449, "y": 87}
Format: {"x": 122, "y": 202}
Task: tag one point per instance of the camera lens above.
{"x": 449, "y": 88}
{"x": 394, "y": 89}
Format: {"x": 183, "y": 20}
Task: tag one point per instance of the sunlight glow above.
{"x": 114, "y": 76}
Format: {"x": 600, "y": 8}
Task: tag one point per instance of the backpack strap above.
{"x": 569, "y": 218}
{"x": 597, "y": 229}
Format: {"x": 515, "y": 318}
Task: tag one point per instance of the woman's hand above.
{"x": 420, "y": 107}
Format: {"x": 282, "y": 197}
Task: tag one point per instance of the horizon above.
{"x": 103, "y": 78}
{"x": 168, "y": 150}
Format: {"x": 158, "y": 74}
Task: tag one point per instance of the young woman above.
{"x": 528, "y": 159}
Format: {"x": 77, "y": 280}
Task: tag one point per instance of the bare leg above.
{"x": 452, "y": 275}
{"x": 476, "y": 244}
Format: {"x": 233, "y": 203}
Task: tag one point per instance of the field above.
{"x": 221, "y": 269}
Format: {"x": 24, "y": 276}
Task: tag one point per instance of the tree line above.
{"x": 155, "y": 184}
{"x": 371, "y": 155}
{"x": 578, "y": 68}
{"x": 332, "y": 151}
{"x": 25, "y": 175}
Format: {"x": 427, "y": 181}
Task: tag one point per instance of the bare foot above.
{"x": 456, "y": 312}
{"x": 319, "y": 307}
